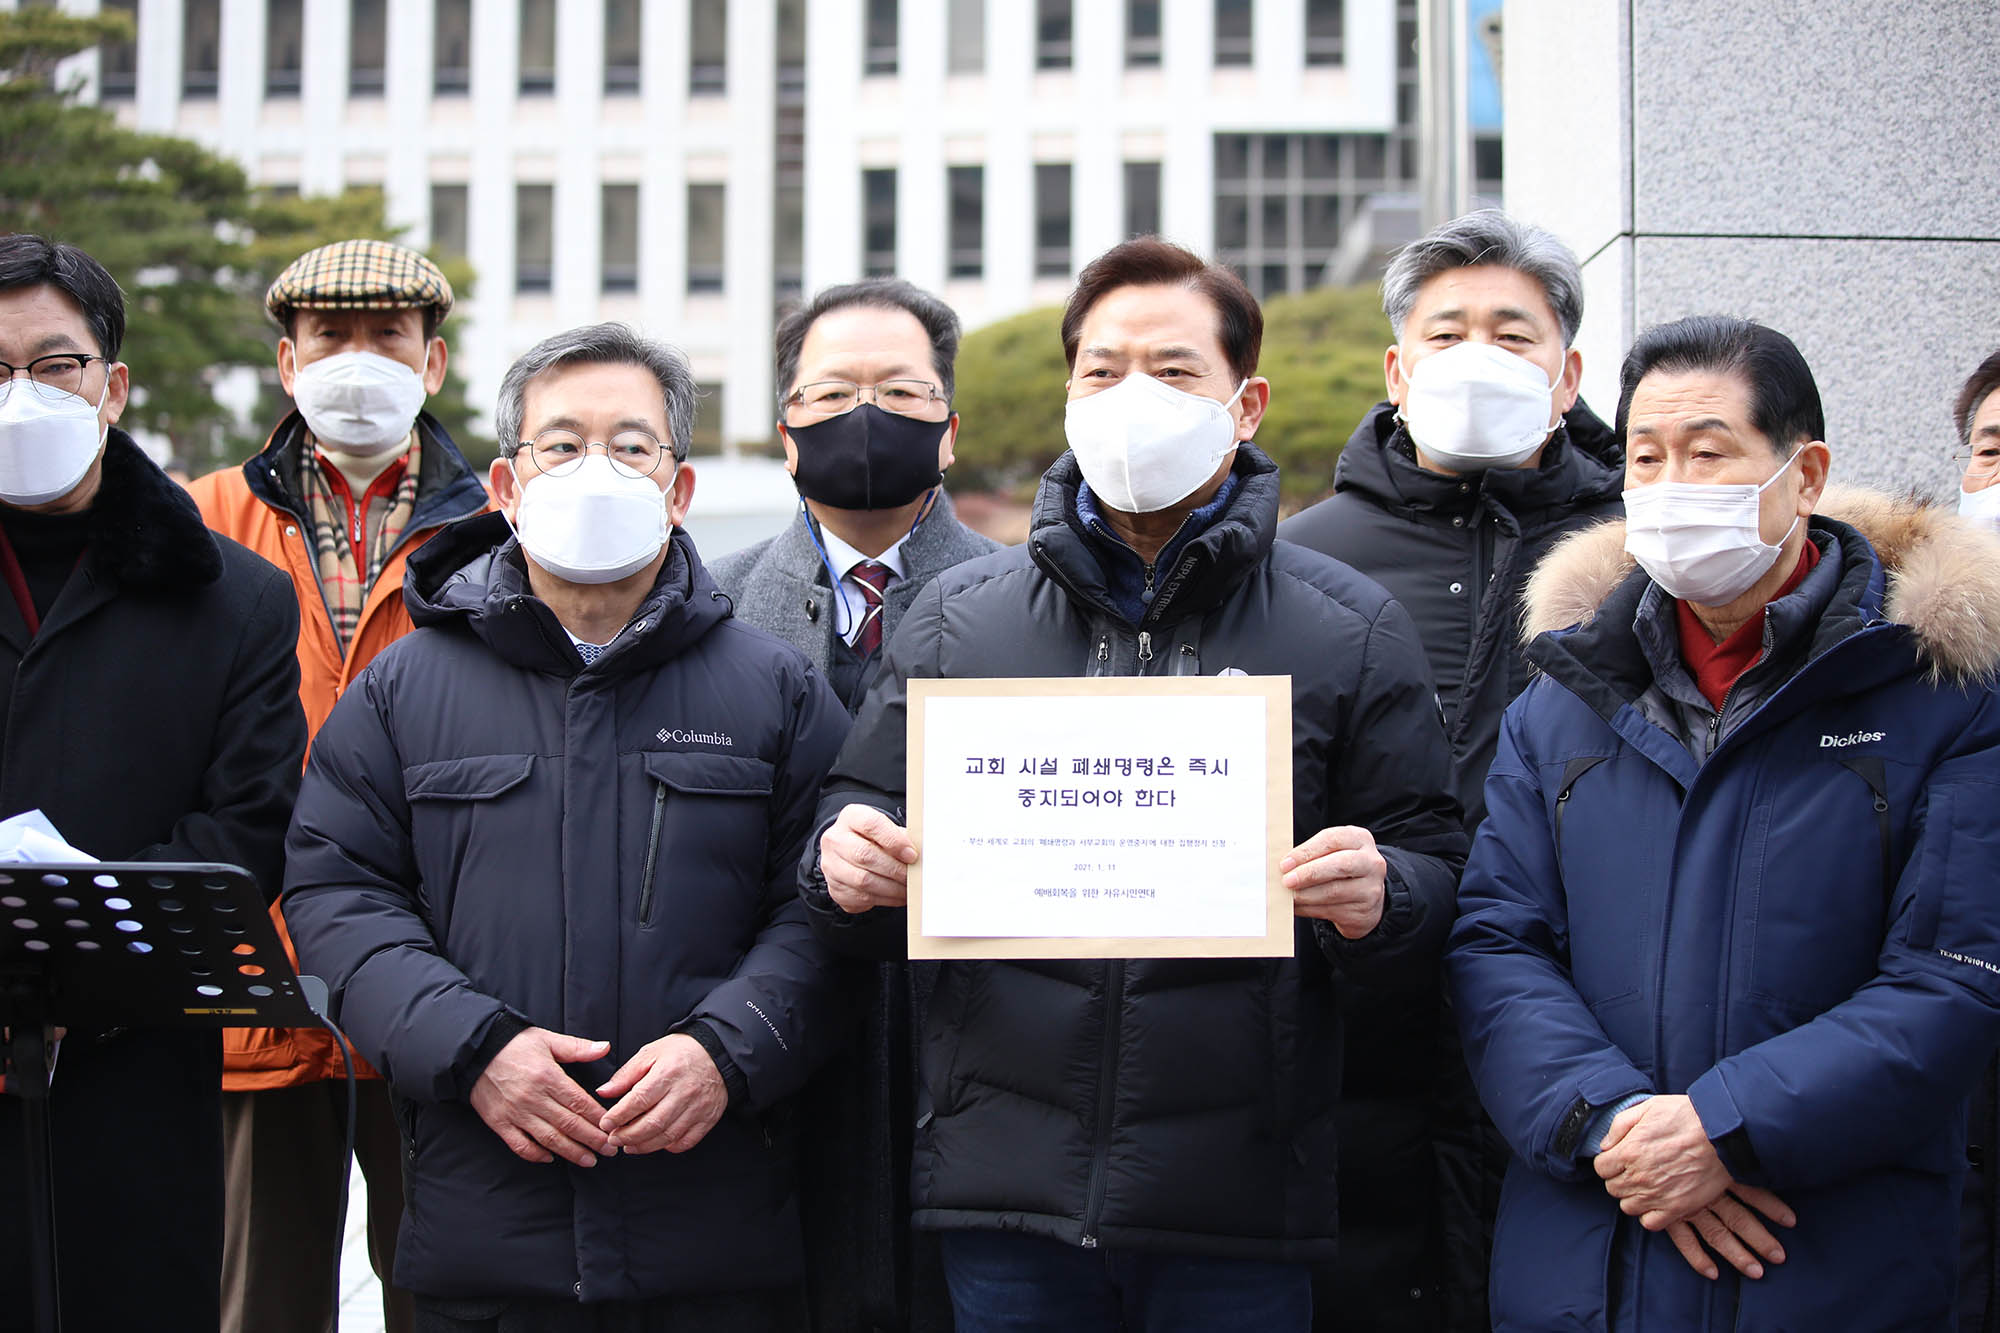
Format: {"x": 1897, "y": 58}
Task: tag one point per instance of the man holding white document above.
{"x": 1145, "y": 1139}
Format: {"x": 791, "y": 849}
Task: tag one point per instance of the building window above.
{"x": 967, "y": 186}
{"x": 878, "y": 223}
{"x": 538, "y": 46}
{"x": 534, "y": 237}
{"x": 708, "y": 47}
{"x": 965, "y": 37}
{"x": 707, "y": 437}
{"x": 367, "y": 48}
{"x": 879, "y": 38}
{"x": 118, "y": 62}
{"x": 1232, "y": 32}
{"x": 1282, "y": 201}
{"x": 705, "y": 237}
{"x": 1324, "y": 22}
{"x": 788, "y": 200}
{"x": 1054, "y": 28}
{"x": 1142, "y": 34}
{"x": 619, "y": 253}
{"x": 621, "y": 46}
{"x": 1142, "y": 199}
{"x": 448, "y": 219}
{"x": 201, "y": 43}
{"x": 1052, "y": 217}
{"x": 285, "y": 25}
{"x": 1486, "y": 165}
{"x": 451, "y": 70}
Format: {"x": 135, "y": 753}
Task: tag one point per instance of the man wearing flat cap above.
{"x": 350, "y": 483}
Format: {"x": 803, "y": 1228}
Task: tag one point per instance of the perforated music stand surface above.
{"x": 124, "y": 944}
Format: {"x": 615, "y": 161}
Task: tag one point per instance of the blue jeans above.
{"x": 1007, "y": 1282}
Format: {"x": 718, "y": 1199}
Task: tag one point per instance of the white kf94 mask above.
{"x": 1701, "y": 542}
{"x": 1474, "y": 406}
{"x": 46, "y": 445}
{"x": 1144, "y": 445}
{"x": 358, "y": 402}
{"x": 601, "y": 523}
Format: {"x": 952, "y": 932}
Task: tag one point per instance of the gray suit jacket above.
{"x": 780, "y": 584}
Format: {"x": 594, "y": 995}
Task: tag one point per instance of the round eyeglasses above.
{"x": 558, "y": 452}
{"x": 831, "y": 398}
{"x": 54, "y": 376}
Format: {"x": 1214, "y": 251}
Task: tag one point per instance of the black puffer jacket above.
{"x": 1176, "y": 1105}
{"x": 492, "y": 832}
{"x": 1457, "y": 552}
{"x": 1420, "y": 1174}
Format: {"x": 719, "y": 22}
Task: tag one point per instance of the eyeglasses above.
{"x": 1978, "y": 462}
{"x": 52, "y": 376}
{"x": 558, "y": 452}
{"x": 831, "y": 398}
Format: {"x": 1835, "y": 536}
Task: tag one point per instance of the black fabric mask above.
{"x": 866, "y": 458}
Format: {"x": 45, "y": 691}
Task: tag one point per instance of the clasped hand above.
{"x": 669, "y": 1093}
{"x": 1658, "y": 1163}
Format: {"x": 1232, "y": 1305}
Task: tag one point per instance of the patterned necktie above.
{"x": 590, "y": 652}
{"x": 873, "y": 577}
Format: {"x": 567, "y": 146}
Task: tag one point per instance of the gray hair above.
{"x": 1487, "y": 236}
{"x": 939, "y": 320}
{"x": 600, "y": 344}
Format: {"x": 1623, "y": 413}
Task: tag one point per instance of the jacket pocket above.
{"x": 705, "y": 804}
{"x": 479, "y": 777}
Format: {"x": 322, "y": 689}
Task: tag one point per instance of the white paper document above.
{"x": 1091, "y": 815}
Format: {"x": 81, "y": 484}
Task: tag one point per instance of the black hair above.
{"x": 939, "y": 320}
{"x": 1983, "y": 382}
{"x": 28, "y": 260}
{"x": 1784, "y": 400}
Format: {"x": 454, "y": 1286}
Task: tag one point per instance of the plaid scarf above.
{"x": 379, "y": 516}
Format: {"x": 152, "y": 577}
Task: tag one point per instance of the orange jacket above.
{"x": 257, "y": 505}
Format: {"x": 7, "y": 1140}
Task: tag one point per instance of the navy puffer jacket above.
{"x": 491, "y": 831}
{"x": 1800, "y": 934}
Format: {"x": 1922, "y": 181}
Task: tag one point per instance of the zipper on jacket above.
{"x": 1104, "y": 648}
{"x": 1573, "y": 772}
{"x": 1145, "y": 645}
{"x": 1107, "y": 1073}
{"x": 652, "y": 854}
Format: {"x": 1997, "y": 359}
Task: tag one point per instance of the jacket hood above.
{"x": 1943, "y": 578}
{"x": 1583, "y": 465}
{"x": 1205, "y": 572}
{"x": 472, "y": 576}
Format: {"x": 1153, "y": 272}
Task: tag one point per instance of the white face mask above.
{"x": 598, "y": 524}
{"x": 1982, "y": 506}
{"x": 1702, "y": 543}
{"x": 1475, "y": 406}
{"x": 358, "y": 402}
{"x": 1144, "y": 445}
{"x": 46, "y": 447}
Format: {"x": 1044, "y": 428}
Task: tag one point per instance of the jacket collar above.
{"x": 1209, "y": 568}
{"x": 1906, "y": 563}
{"x": 473, "y": 576}
{"x": 1582, "y": 465}
{"x": 447, "y": 486}
{"x": 146, "y": 535}
{"x": 928, "y": 547}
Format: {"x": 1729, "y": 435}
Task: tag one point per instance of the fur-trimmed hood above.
{"x": 1943, "y": 578}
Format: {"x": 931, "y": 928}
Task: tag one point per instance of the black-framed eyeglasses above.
{"x": 558, "y": 451}
{"x": 54, "y": 375}
{"x": 831, "y": 398}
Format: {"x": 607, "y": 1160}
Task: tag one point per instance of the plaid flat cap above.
{"x": 359, "y": 275}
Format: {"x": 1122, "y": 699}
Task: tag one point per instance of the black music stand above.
{"x": 118, "y": 944}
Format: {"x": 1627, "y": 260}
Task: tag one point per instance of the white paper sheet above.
{"x": 1093, "y": 816}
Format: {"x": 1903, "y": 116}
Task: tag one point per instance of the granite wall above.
{"x": 1831, "y": 169}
